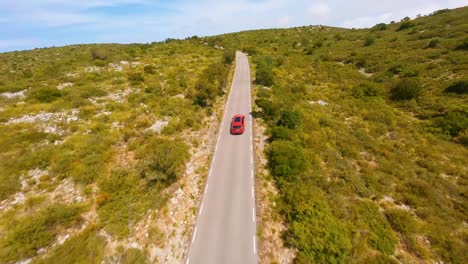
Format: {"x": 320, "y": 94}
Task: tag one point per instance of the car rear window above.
{"x": 237, "y": 119}
{"x": 237, "y": 127}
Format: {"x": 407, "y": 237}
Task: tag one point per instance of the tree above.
{"x": 406, "y": 89}
{"x": 290, "y": 119}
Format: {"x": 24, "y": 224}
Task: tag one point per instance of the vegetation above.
{"x": 370, "y": 167}
{"x": 28, "y": 234}
{"x": 80, "y": 126}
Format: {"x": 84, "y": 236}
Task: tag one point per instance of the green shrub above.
{"x": 290, "y": 119}
{"x": 83, "y": 157}
{"x": 280, "y": 132}
{"x": 459, "y": 87}
{"x": 98, "y": 54}
{"x": 434, "y": 43}
{"x": 149, "y": 69}
{"x": 46, "y": 94}
{"x": 86, "y": 247}
{"x": 162, "y": 160}
{"x": 401, "y": 221}
{"x": 452, "y": 123}
{"x": 406, "y": 25}
{"x": 33, "y": 232}
{"x": 269, "y": 109}
{"x": 369, "y": 41}
{"x": 286, "y": 159}
{"x": 210, "y": 84}
{"x": 365, "y": 89}
{"x": 381, "y": 235}
{"x": 406, "y": 89}
{"x": 316, "y": 232}
{"x": 133, "y": 256}
{"x": 464, "y": 45}
{"x": 229, "y": 56}
{"x": 264, "y": 73}
{"x": 380, "y": 26}
{"x": 136, "y": 77}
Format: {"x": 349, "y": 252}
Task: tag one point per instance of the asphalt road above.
{"x": 226, "y": 224}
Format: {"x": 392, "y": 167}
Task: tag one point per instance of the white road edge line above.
{"x": 201, "y": 209}
{"x": 206, "y": 188}
{"x": 254, "y": 246}
{"x": 188, "y": 261}
{"x": 194, "y": 234}
{"x": 253, "y": 214}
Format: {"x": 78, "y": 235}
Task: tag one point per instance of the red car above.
{"x": 238, "y": 124}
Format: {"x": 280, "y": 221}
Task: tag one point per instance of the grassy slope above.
{"x": 121, "y": 168}
{"x": 366, "y": 178}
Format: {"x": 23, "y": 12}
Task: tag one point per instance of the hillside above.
{"x": 367, "y": 134}
{"x": 103, "y": 147}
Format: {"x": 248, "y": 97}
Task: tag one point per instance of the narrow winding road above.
{"x": 226, "y": 224}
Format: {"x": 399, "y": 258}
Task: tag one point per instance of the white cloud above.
{"x": 319, "y": 9}
{"x": 367, "y": 21}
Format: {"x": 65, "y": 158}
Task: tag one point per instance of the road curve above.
{"x": 226, "y": 224}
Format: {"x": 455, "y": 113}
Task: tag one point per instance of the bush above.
{"x": 369, "y": 41}
{"x": 287, "y": 160}
{"x": 33, "y": 232}
{"x": 290, "y": 119}
{"x": 86, "y": 247}
{"x": 406, "y": 25}
{"x": 319, "y": 236}
{"x": 401, "y": 221}
{"x": 406, "y": 89}
{"x": 136, "y": 77}
{"x": 452, "y": 123}
{"x": 133, "y": 256}
{"x": 163, "y": 160}
{"x": 264, "y": 73}
{"x": 149, "y": 69}
{"x": 269, "y": 109}
{"x": 98, "y": 54}
{"x": 459, "y": 87}
{"x": 210, "y": 84}
{"x": 46, "y": 94}
{"x": 434, "y": 43}
{"x": 280, "y": 132}
{"x": 365, "y": 89}
{"x": 380, "y": 26}
{"x": 229, "y": 56}
{"x": 464, "y": 45}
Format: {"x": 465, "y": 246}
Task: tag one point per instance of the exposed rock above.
{"x": 92, "y": 69}
{"x": 63, "y": 85}
{"x": 48, "y": 122}
{"x": 19, "y": 94}
{"x": 158, "y": 126}
{"x": 72, "y": 74}
{"x": 363, "y": 72}
{"x": 319, "y": 102}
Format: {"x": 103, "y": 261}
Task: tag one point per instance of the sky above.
{"x": 28, "y": 24}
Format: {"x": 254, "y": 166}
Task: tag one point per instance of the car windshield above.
{"x": 237, "y": 127}
{"x": 237, "y": 119}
